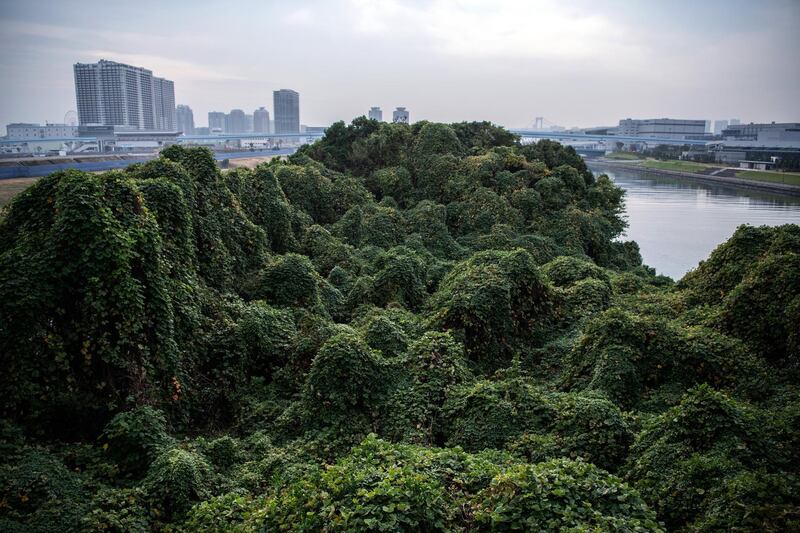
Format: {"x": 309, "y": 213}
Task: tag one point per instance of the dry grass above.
{"x": 249, "y": 162}
{"x": 11, "y": 187}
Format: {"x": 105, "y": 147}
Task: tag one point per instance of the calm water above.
{"x": 679, "y": 222}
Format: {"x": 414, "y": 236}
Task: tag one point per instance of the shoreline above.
{"x": 781, "y": 188}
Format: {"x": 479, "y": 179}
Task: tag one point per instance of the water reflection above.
{"x": 679, "y": 222}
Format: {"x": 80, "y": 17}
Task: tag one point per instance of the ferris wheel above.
{"x": 71, "y": 118}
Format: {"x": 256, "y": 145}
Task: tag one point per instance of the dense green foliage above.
{"x": 401, "y": 328}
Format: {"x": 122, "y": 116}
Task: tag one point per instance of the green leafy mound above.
{"x": 39, "y": 493}
{"x": 634, "y": 358}
{"x": 561, "y": 495}
{"x": 493, "y": 298}
{"x": 535, "y": 424}
{"x": 405, "y": 488}
{"x": 345, "y": 377}
{"x": 176, "y": 479}
{"x": 684, "y": 455}
{"x": 134, "y": 438}
{"x": 424, "y": 328}
{"x": 756, "y": 276}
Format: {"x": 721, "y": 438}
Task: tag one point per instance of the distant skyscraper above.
{"x": 216, "y": 121}
{"x": 720, "y": 125}
{"x": 249, "y": 123}
{"x": 185, "y": 119}
{"x": 286, "y": 104}
{"x": 260, "y": 120}
{"x": 116, "y": 94}
{"x": 375, "y": 113}
{"x": 236, "y": 121}
{"x": 400, "y": 115}
{"x": 734, "y": 122}
{"x": 164, "y": 104}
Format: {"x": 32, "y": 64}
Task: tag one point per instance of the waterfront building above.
{"x": 375, "y": 113}
{"x": 24, "y": 130}
{"x": 775, "y": 134}
{"x": 400, "y": 115}
{"x": 261, "y": 120}
{"x": 286, "y": 105}
{"x": 115, "y": 94}
{"x": 185, "y": 119}
{"x": 216, "y": 121}
{"x": 662, "y": 127}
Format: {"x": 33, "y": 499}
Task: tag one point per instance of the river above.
{"x": 678, "y": 222}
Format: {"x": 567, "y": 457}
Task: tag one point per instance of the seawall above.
{"x": 780, "y": 188}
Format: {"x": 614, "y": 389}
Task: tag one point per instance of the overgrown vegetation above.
{"x": 401, "y": 328}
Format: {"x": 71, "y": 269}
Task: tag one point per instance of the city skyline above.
{"x": 563, "y": 61}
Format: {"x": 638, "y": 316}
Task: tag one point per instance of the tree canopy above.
{"x": 403, "y": 328}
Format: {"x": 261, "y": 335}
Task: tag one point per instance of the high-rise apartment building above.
{"x": 115, "y": 94}
{"x": 260, "y": 120}
{"x": 286, "y": 104}
{"x": 720, "y": 125}
{"x": 236, "y": 122}
{"x": 375, "y": 113}
{"x": 400, "y": 115}
{"x": 164, "y": 104}
{"x": 185, "y": 119}
{"x": 216, "y": 121}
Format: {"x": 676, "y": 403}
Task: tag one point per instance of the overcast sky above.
{"x": 573, "y": 62}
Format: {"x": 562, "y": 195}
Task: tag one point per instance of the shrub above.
{"x": 488, "y": 414}
{"x": 391, "y": 181}
{"x": 590, "y": 428}
{"x": 382, "y": 333}
{"x": 223, "y": 452}
{"x": 289, "y": 280}
{"x": 693, "y": 447}
{"x": 346, "y": 376}
{"x": 134, "y": 438}
{"x": 565, "y": 271}
{"x": 221, "y": 514}
{"x": 561, "y": 495}
{"x": 114, "y": 510}
{"x": 492, "y": 297}
{"x": 39, "y": 493}
{"x": 377, "y": 486}
{"x": 176, "y": 480}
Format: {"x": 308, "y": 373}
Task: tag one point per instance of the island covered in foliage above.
{"x": 401, "y": 328}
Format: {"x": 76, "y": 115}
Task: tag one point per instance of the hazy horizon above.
{"x": 575, "y": 63}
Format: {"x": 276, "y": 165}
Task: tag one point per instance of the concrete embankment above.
{"x": 42, "y": 166}
{"x": 780, "y": 188}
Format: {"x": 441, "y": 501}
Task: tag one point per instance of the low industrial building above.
{"x": 665, "y": 128}
{"x": 30, "y": 131}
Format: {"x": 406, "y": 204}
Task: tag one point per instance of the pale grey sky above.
{"x": 574, "y": 62}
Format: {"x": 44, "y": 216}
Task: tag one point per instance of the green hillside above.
{"x": 401, "y": 328}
